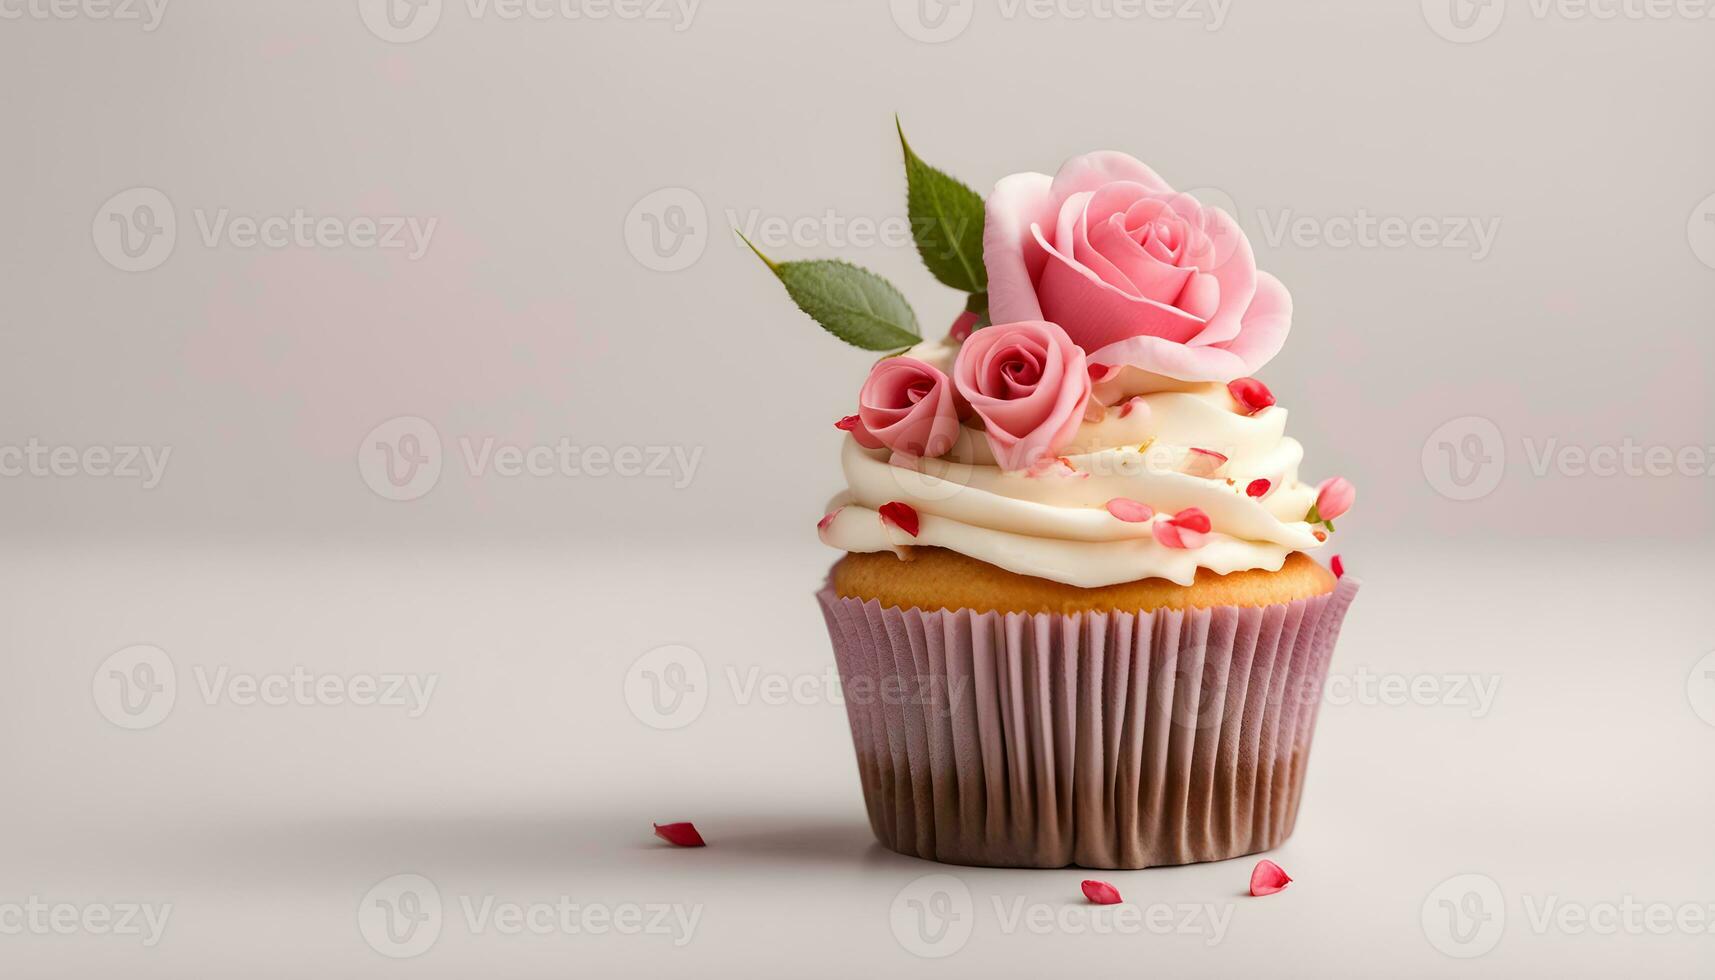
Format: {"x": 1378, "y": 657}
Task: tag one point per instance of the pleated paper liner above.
{"x": 1105, "y": 740}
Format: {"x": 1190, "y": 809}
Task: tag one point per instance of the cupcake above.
{"x": 1078, "y": 617}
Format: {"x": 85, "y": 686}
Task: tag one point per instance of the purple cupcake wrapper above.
{"x": 1105, "y": 740}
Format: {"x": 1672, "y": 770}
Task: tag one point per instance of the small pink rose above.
{"x": 907, "y": 406}
{"x": 1136, "y": 273}
{"x": 1028, "y": 383}
{"x": 1334, "y": 497}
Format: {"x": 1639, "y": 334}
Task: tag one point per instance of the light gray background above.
{"x": 538, "y": 312}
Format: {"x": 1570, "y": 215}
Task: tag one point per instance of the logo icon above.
{"x": 1465, "y": 916}
{"x": 1700, "y": 688}
{"x": 933, "y": 916}
{"x": 136, "y": 688}
{"x": 400, "y": 21}
{"x": 668, "y": 687}
{"x": 1700, "y": 231}
{"x": 135, "y": 231}
{"x": 400, "y": 459}
{"x": 668, "y": 230}
{"x": 401, "y": 916}
{"x": 1464, "y": 21}
{"x": 1465, "y": 459}
{"x": 933, "y": 21}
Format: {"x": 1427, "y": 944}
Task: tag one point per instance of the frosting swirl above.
{"x": 1167, "y": 444}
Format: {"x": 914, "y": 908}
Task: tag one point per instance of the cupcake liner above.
{"x": 1105, "y": 740}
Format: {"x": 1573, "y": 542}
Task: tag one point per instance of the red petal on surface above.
{"x": 1131, "y": 405}
{"x": 822, "y": 525}
{"x": 1258, "y": 488}
{"x": 902, "y": 516}
{"x": 1252, "y": 395}
{"x": 1268, "y": 879}
{"x": 847, "y": 424}
{"x": 1130, "y": 511}
{"x": 1101, "y": 893}
{"x": 1338, "y": 566}
{"x": 679, "y": 834}
{"x": 1193, "y": 519}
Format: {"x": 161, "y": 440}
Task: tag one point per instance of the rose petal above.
{"x": 900, "y": 515}
{"x": 848, "y": 424}
{"x": 1101, "y": 893}
{"x": 1338, "y": 566}
{"x": 828, "y": 520}
{"x": 1259, "y": 488}
{"x": 1193, "y": 519}
{"x": 1204, "y": 463}
{"x": 1130, "y": 511}
{"x": 1132, "y": 404}
{"x": 1268, "y": 878}
{"x": 1252, "y": 395}
{"x": 679, "y": 834}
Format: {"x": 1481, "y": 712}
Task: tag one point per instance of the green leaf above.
{"x": 946, "y": 220}
{"x": 853, "y": 304}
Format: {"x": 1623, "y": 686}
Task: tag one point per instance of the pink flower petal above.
{"x": 1193, "y": 519}
{"x": 1339, "y": 567}
{"x": 902, "y": 516}
{"x": 1130, "y": 511}
{"x": 1204, "y": 463}
{"x": 828, "y": 520}
{"x": 848, "y": 424}
{"x": 1101, "y": 893}
{"x": 1268, "y": 878}
{"x": 1258, "y": 488}
{"x": 1252, "y": 395}
{"x": 679, "y": 834}
{"x": 1133, "y": 404}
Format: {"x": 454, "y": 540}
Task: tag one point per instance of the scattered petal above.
{"x": 1101, "y": 893}
{"x": 848, "y": 424}
{"x": 902, "y": 516}
{"x": 1186, "y": 530}
{"x": 1131, "y": 405}
{"x": 1057, "y": 466}
{"x": 1268, "y": 878}
{"x": 679, "y": 834}
{"x": 1204, "y": 462}
{"x": 1259, "y": 488}
{"x": 1339, "y": 567}
{"x": 1130, "y": 511}
{"x": 1252, "y": 395}
{"x": 828, "y": 520}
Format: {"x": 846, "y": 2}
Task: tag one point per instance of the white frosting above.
{"x": 1056, "y": 525}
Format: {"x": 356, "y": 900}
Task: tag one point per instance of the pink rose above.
{"x": 1136, "y": 274}
{"x": 1029, "y": 383}
{"x": 907, "y": 406}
